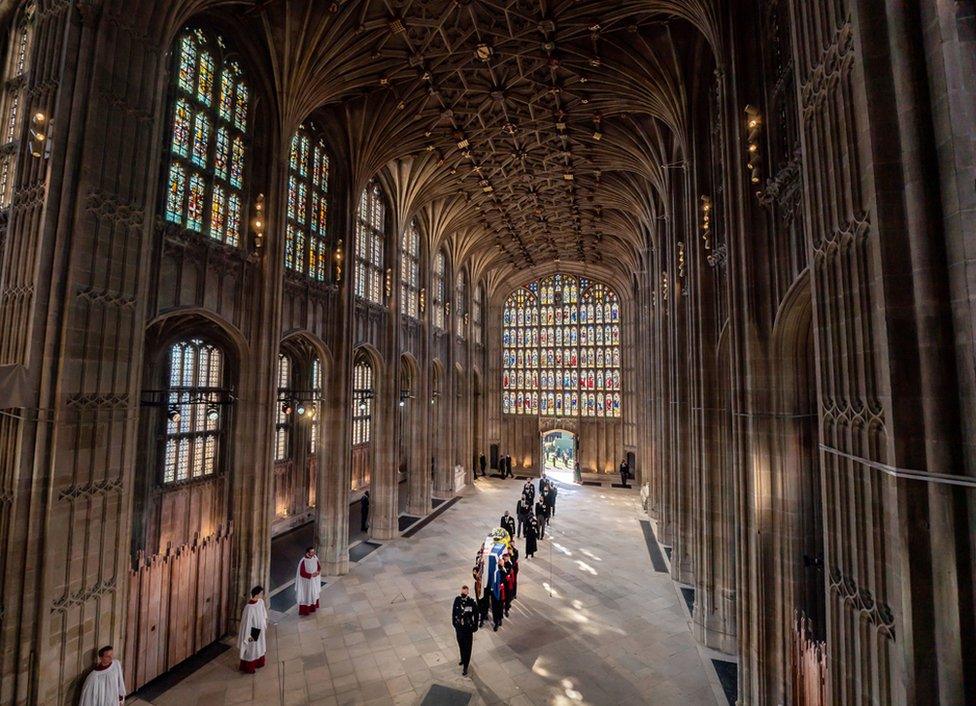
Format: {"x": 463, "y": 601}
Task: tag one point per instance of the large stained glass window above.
{"x": 460, "y": 287}
{"x": 362, "y": 398}
{"x": 283, "y": 422}
{"x": 14, "y": 96}
{"x": 306, "y": 229}
{"x": 370, "y": 224}
{"x": 477, "y": 314}
{"x": 561, "y": 349}
{"x": 193, "y": 417}
{"x": 209, "y": 115}
{"x": 440, "y": 293}
{"x": 410, "y": 271}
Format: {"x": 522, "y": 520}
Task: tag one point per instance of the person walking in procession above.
{"x": 531, "y": 536}
{"x": 508, "y": 524}
{"x": 522, "y": 511}
{"x": 104, "y": 685}
{"x": 251, "y": 639}
{"x": 464, "y": 616}
{"x": 308, "y": 585}
{"x": 551, "y": 500}
{"x": 541, "y": 516}
{"x": 528, "y": 492}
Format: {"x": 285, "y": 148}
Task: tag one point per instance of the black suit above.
{"x": 508, "y": 524}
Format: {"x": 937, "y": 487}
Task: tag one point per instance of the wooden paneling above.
{"x": 178, "y": 604}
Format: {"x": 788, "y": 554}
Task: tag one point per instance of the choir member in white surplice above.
{"x": 104, "y": 685}
{"x": 252, "y": 639}
{"x": 308, "y": 585}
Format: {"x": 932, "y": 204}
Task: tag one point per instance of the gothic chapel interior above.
{"x": 258, "y": 257}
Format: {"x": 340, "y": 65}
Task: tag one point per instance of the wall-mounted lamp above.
{"x": 389, "y": 282}
{"x": 40, "y": 135}
{"x": 706, "y": 221}
{"x": 259, "y": 224}
{"x": 422, "y": 299}
{"x": 753, "y": 130}
{"x": 338, "y": 261}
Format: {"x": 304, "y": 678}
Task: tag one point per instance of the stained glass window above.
{"x": 14, "y": 97}
{"x": 283, "y": 422}
{"x": 194, "y": 414}
{"x": 477, "y": 315}
{"x": 362, "y": 398}
{"x": 460, "y": 308}
{"x": 204, "y": 179}
{"x": 561, "y": 349}
{"x": 370, "y": 236}
{"x": 306, "y": 229}
{"x": 439, "y": 291}
{"x": 410, "y": 271}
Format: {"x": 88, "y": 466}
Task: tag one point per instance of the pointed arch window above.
{"x": 460, "y": 308}
{"x": 207, "y": 145}
{"x": 561, "y": 349}
{"x": 306, "y": 229}
{"x": 362, "y": 397}
{"x": 477, "y": 315}
{"x": 316, "y": 382}
{"x": 440, "y": 291}
{"x": 370, "y": 237}
{"x": 14, "y": 97}
{"x": 410, "y": 271}
{"x": 194, "y": 419}
{"x": 283, "y": 424}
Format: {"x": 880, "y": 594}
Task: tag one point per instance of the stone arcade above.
{"x": 259, "y": 257}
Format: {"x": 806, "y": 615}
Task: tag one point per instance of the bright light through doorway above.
{"x": 559, "y": 455}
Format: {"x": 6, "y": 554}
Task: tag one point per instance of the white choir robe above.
{"x": 308, "y": 585}
{"x": 255, "y": 616}
{"x": 104, "y": 687}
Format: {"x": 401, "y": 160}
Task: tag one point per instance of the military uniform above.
{"x": 465, "y": 619}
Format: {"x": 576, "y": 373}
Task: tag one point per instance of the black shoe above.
{"x": 495, "y": 627}
{"x": 460, "y": 663}
{"x": 465, "y": 672}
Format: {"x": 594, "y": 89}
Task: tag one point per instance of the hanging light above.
{"x": 300, "y": 408}
{"x": 173, "y": 414}
{"x": 213, "y": 413}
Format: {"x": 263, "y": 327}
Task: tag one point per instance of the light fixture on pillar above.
{"x": 40, "y": 135}
{"x": 173, "y": 414}
{"x": 706, "y": 221}
{"x": 213, "y": 413}
{"x": 422, "y": 299}
{"x": 300, "y": 409}
{"x": 681, "y": 261}
{"x": 258, "y": 224}
{"x": 338, "y": 261}
{"x": 389, "y": 282}
{"x": 753, "y": 129}
{"x": 664, "y": 286}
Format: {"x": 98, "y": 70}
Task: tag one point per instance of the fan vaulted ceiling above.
{"x": 519, "y": 131}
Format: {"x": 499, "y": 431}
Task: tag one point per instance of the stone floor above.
{"x": 593, "y": 624}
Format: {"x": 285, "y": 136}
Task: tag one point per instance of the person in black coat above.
{"x": 522, "y": 512}
{"x": 550, "y": 499}
{"x": 624, "y": 472}
{"x": 464, "y": 616}
{"x": 508, "y": 524}
{"x": 531, "y": 536}
{"x": 542, "y": 516}
{"x": 364, "y": 512}
{"x": 498, "y": 603}
{"x": 528, "y": 492}
{"x": 482, "y": 464}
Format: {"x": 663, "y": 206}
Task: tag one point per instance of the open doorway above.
{"x": 559, "y": 454}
